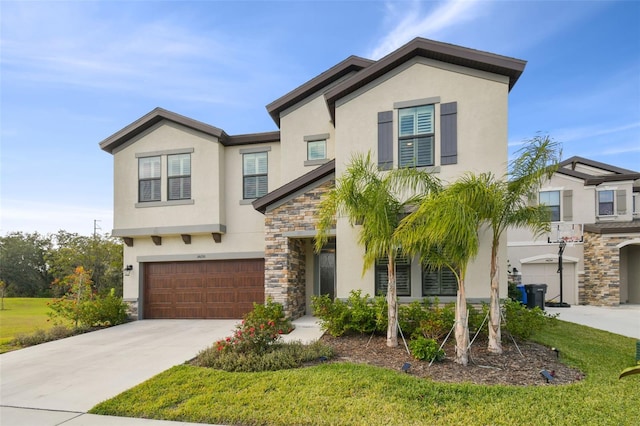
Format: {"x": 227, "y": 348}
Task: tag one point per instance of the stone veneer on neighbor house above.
{"x": 286, "y": 228}
{"x": 600, "y": 284}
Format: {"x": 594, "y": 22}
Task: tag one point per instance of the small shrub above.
{"x": 477, "y": 317}
{"x": 438, "y": 323}
{"x": 41, "y": 336}
{"x": 358, "y": 314}
{"x": 426, "y": 349}
{"x": 522, "y": 322}
{"x": 279, "y": 357}
{"x": 410, "y": 316}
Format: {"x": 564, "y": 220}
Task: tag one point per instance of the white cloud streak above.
{"x": 413, "y": 22}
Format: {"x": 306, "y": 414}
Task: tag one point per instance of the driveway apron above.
{"x": 76, "y": 373}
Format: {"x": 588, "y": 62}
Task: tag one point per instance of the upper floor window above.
{"x": 438, "y": 282}
{"x": 254, "y": 170}
{"x": 416, "y": 136}
{"x": 316, "y": 150}
{"x": 552, "y": 200}
{"x": 403, "y": 276}
{"x": 149, "y": 179}
{"x": 179, "y": 176}
{"x": 606, "y": 203}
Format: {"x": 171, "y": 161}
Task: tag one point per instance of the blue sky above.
{"x": 73, "y": 73}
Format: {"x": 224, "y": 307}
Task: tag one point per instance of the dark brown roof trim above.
{"x": 592, "y": 163}
{"x": 151, "y": 119}
{"x": 620, "y": 174}
{"x": 158, "y": 114}
{"x": 352, "y": 63}
{"x": 613, "y": 227}
{"x": 261, "y": 204}
{"x": 252, "y": 138}
{"x": 443, "y": 52}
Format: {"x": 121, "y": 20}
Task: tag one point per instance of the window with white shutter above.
{"x": 416, "y": 136}
{"x": 254, "y": 169}
{"x": 149, "y": 179}
{"x": 179, "y": 177}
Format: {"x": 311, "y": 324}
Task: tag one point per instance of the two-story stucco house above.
{"x": 213, "y": 222}
{"x": 595, "y": 209}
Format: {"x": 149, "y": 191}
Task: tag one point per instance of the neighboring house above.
{"x": 213, "y": 222}
{"x": 595, "y": 209}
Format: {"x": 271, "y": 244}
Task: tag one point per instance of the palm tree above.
{"x": 444, "y": 232}
{"x": 504, "y": 204}
{"x": 375, "y": 201}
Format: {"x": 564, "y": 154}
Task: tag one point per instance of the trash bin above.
{"x": 536, "y": 294}
{"x": 523, "y": 294}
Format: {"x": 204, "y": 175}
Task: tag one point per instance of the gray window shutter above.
{"x": 449, "y": 133}
{"x": 385, "y": 140}
{"x": 621, "y": 201}
{"x": 567, "y": 205}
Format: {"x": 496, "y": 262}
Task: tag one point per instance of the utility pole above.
{"x": 96, "y": 227}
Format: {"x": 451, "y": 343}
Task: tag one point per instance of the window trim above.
{"x": 170, "y": 177}
{"x": 157, "y": 179}
{"x": 256, "y": 175}
{"x": 559, "y": 205}
{"x": 416, "y": 137}
{"x": 613, "y": 202}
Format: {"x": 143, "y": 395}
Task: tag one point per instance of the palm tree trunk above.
{"x": 495, "y": 338}
{"x": 392, "y": 317}
{"x": 462, "y": 326}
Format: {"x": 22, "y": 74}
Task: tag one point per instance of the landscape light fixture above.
{"x": 127, "y": 270}
{"x": 405, "y": 367}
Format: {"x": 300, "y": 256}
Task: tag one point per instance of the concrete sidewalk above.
{"x": 57, "y": 382}
{"x": 623, "y": 319}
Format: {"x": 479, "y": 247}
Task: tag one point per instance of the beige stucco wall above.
{"x": 482, "y": 146}
{"x": 308, "y": 118}
{"x": 208, "y": 197}
{"x": 216, "y": 179}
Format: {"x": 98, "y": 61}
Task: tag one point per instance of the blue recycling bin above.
{"x": 523, "y": 294}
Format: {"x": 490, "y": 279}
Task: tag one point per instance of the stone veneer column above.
{"x": 285, "y": 259}
{"x": 602, "y": 269}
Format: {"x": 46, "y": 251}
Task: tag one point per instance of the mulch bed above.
{"x": 509, "y": 368}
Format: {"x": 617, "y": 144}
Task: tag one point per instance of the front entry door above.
{"x": 327, "y": 273}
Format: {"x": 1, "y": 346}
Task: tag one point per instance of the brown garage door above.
{"x": 206, "y": 289}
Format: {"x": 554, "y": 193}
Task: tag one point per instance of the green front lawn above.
{"x": 22, "y": 315}
{"x": 340, "y": 393}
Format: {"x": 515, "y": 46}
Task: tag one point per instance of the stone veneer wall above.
{"x": 601, "y": 284}
{"x": 285, "y": 259}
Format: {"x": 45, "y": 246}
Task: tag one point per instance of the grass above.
{"x": 22, "y": 315}
{"x": 349, "y": 394}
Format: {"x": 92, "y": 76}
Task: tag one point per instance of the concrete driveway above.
{"x": 76, "y": 373}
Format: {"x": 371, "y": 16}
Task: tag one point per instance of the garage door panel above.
{"x": 205, "y": 289}
{"x": 547, "y": 273}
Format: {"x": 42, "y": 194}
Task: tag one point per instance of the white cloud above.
{"x": 413, "y": 22}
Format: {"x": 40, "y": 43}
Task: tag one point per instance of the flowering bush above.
{"x": 259, "y": 329}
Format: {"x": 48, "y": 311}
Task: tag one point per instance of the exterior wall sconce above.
{"x": 127, "y": 270}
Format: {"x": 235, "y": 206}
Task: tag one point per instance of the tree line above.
{"x": 31, "y": 262}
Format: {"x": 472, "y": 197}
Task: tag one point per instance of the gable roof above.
{"x": 443, "y": 52}
{"x": 616, "y": 174}
{"x": 351, "y": 64}
{"x": 158, "y": 114}
{"x": 261, "y": 204}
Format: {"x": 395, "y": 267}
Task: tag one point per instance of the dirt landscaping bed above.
{"x": 509, "y": 368}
